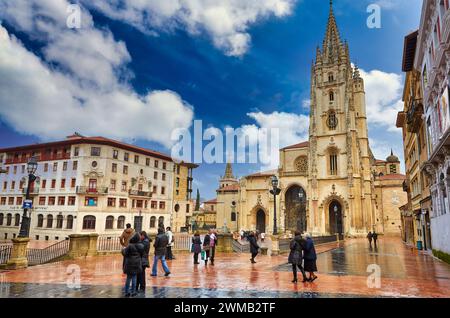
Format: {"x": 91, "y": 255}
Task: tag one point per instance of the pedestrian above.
{"x": 310, "y": 258}
{"x": 254, "y": 247}
{"x": 263, "y": 236}
{"x": 132, "y": 264}
{"x": 375, "y": 238}
{"x": 206, "y": 248}
{"x": 196, "y": 246}
{"x": 241, "y": 233}
{"x": 369, "y": 237}
{"x": 171, "y": 238}
{"x": 160, "y": 246}
{"x": 126, "y": 235}
{"x": 296, "y": 256}
{"x": 141, "y": 281}
{"x": 212, "y": 245}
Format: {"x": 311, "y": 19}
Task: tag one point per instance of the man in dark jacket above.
{"x": 160, "y": 246}
{"x": 375, "y": 238}
{"x": 296, "y": 256}
{"x": 369, "y": 237}
{"x": 132, "y": 264}
{"x": 254, "y": 247}
{"x": 145, "y": 241}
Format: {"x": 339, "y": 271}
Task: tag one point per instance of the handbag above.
{"x": 203, "y": 255}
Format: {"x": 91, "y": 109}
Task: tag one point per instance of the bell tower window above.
{"x": 331, "y": 95}
{"x": 333, "y": 164}
{"x": 330, "y": 77}
{"x": 332, "y": 120}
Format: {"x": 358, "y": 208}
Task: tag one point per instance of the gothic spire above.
{"x": 332, "y": 41}
{"x": 228, "y": 172}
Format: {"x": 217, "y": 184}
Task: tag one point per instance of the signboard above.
{"x": 27, "y": 204}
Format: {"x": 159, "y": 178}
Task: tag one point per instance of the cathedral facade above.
{"x": 331, "y": 183}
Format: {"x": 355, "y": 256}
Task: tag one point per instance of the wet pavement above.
{"x": 343, "y": 272}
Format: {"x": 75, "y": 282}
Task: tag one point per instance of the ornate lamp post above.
{"x": 25, "y": 225}
{"x": 335, "y": 219}
{"x": 275, "y": 191}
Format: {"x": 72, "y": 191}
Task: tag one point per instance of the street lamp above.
{"x": 275, "y": 191}
{"x": 335, "y": 219}
{"x": 25, "y": 225}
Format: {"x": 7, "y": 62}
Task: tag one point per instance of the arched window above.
{"x": 331, "y": 96}
{"x": 89, "y": 222}
{"x": 8, "y": 219}
{"x": 49, "y": 221}
{"x": 69, "y": 224}
{"x": 59, "y": 221}
{"x": 153, "y": 222}
{"x": 393, "y": 168}
{"x": 109, "y": 223}
{"x": 40, "y": 222}
{"x": 333, "y": 168}
{"x": 121, "y": 222}
{"x": 330, "y": 77}
{"x": 332, "y": 120}
{"x": 1, "y": 218}
{"x": 233, "y": 216}
{"x": 161, "y": 221}
{"x": 17, "y": 219}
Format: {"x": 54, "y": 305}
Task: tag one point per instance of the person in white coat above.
{"x": 171, "y": 238}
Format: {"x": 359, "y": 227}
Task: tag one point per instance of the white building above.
{"x": 87, "y": 185}
{"x": 433, "y": 60}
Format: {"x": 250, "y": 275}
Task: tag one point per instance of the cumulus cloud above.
{"x": 226, "y": 22}
{"x": 77, "y": 83}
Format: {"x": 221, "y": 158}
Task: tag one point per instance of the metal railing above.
{"x": 182, "y": 242}
{"x": 38, "y": 256}
{"x": 5, "y": 253}
{"x": 108, "y": 244}
{"x": 93, "y": 191}
{"x": 137, "y": 193}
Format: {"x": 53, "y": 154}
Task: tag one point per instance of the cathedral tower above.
{"x": 340, "y": 181}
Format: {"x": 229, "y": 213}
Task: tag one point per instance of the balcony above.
{"x": 414, "y": 116}
{"x": 92, "y": 191}
{"x": 33, "y": 191}
{"x": 141, "y": 194}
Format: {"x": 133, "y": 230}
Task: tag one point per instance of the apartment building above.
{"x": 87, "y": 185}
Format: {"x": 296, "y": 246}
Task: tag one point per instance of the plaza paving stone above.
{"x": 342, "y": 273}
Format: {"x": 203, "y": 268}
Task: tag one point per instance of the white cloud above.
{"x": 83, "y": 89}
{"x": 226, "y": 22}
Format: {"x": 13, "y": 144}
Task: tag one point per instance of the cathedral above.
{"x": 332, "y": 183}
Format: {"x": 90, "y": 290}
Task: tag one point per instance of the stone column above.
{"x": 275, "y": 251}
{"x": 18, "y": 258}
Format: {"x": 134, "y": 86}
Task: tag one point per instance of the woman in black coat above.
{"x": 295, "y": 256}
{"x": 196, "y": 247}
{"x": 145, "y": 241}
{"x": 310, "y": 258}
{"x": 254, "y": 247}
{"x": 133, "y": 263}
{"x": 206, "y": 247}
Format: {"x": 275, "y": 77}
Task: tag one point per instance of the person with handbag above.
{"x": 296, "y": 256}
{"x": 212, "y": 245}
{"x": 132, "y": 264}
{"x": 196, "y": 247}
{"x": 206, "y": 248}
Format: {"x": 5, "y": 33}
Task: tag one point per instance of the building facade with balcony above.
{"x": 433, "y": 61}
{"x": 86, "y": 185}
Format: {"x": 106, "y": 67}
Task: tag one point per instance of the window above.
{"x": 163, "y": 190}
{"x": 19, "y": 201}
{"x": 393, "y": 169}
{"x": 53, "y": 184}
{"x": 140, "y": 187}
{"x": 124, "y": 186}
{"x": 123, "y": 203}
{"x": 71, "y": 201}
{"x": 162, "y": 205}
{"x": 155, "y": 175}
{"x": 75, "y": 165}
{"x": 63, "y": 183}
{"x": 111, "y": 202}
{"x": 331, "y": 95}
{"x": 42, "y": 200}
{"x": 136, "y": 159}
{"x": 178, "y": 169}
{"x": 69, "y": 224}
{"x": 147, "y": 162}
{"x": 61, "y": 200}
{"x": 51, "y": 200}
{"x": 13, "y": 185}
{"x": 5, "y": 185}
{"x": 109, "y": 225}
{"x": 113, "y": 185}
{"x": 177, "y": 182}
{"x": 163, "y": 177}
{"x": 153, "y": 222}
{"x": 95, "y": 151}
{"x": 161, "y": 221}
{"x": 114, "y": 167}
{"x": 59, "y": 221}
{"x": 187, "y": 208}
{"x": 125, "y": 169}
{"x": 55, "y": 166}
{"x": 1, "y": 218}
{"x": 155, "y": 189}
{"x": 139, "y": 204}
{"x": 76, "y": 151}
{"x": 121, "y": 222}
{"x": 92, "y": 185}
{"x": 23, "y": 168}
{"x": 15, "y": 170}
{"x": 21, "y": 185}
{"x": 126, "y": 156}
{"x": 40, "y": 222}
{"x": 164, "y": 165}
{"x": 89, "y": 222}
{"x": 8, "y": 219}
{"x": 73, "y": 183}
{"x": 49, "y": 221}
{"x": 90, "y": 201}
{"x": 332, "y": 120}
{"x": 115, "y": 154}
{"x": 156, "y": 163}
{"x": 233, "y": 216}
{"x": 3, "y": 201}
{"x": 11, "y": 201}
{"x": 330, "y": 77}
{"x": 65, "y": 166}
{"x": 154, "y": 204}
{"x": 17, "y": 219}
{"x": 333, "y": 165}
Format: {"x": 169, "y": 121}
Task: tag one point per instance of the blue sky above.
{"x": 139, "y": 71}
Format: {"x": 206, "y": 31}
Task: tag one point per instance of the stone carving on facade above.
{"x": 301, "y": 165}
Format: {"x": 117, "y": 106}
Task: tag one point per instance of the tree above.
{"x": 197, "y": 201}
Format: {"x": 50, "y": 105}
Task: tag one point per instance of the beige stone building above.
{"x": 331, "y": 183}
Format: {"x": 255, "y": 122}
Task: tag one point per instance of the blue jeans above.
{"x": 131, "y": 278}
{"x": 155, "y": 264}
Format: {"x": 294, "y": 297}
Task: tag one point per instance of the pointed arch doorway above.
{"x": 261, "y": 221}
{"x": 336, "y": 224}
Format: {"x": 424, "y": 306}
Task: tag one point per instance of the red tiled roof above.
{"x": 304, "y": 144}
{"x": 212, "y": 201}
{"x": 263, "y": 174}
{"x": 393, "y": 177}
{"x": 380, "y": 161}
{"x": 230, "y": 188}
